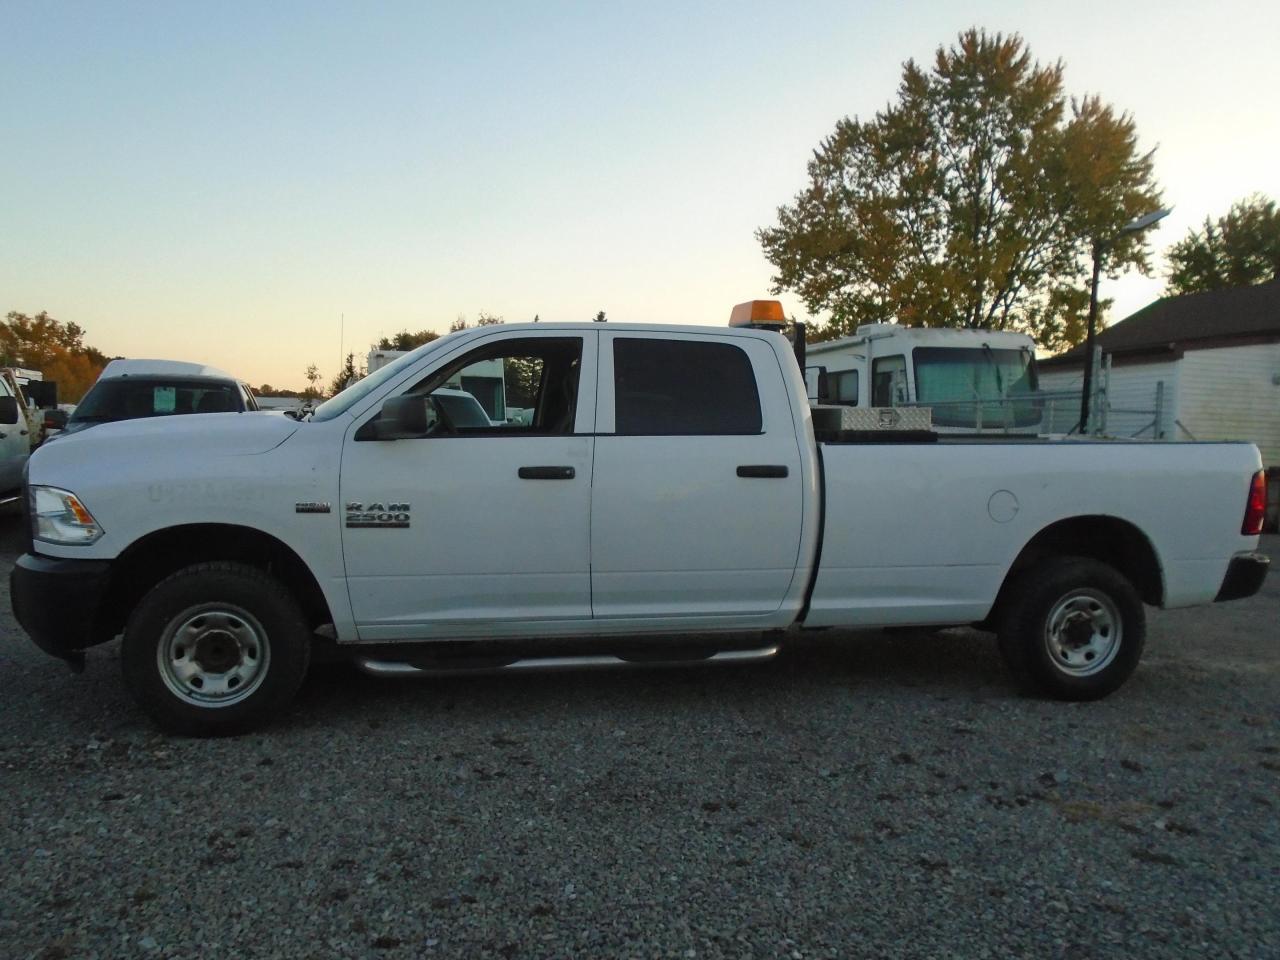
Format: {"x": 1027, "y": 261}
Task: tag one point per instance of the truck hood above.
{"x": 205, "y": 434}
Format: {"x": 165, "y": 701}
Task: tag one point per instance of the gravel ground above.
{"x": 864, "y": 795}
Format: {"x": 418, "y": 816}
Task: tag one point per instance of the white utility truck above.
{"x": 973, "y": 381}
{"x": 668, "y": 498}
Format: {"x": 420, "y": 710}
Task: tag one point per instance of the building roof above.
{"x": 1193, "y": 320}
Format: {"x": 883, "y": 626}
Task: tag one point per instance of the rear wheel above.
{"x": 1073, "y": 628}
{"x": 215, "y": 649}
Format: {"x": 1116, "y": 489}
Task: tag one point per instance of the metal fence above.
{"x": 1053, "y": 412}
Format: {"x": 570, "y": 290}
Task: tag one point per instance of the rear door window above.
{"x": 683, "y": 387}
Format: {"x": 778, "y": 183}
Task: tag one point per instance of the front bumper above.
{"x": 58, "y": 602}
{"x": 1244, "y": 576}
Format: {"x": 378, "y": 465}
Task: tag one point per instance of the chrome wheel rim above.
{"x": 213, "y": 655}
{"x": 1083, "y": 632}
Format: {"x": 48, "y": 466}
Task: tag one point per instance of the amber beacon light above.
{"x": 758, "y": 313}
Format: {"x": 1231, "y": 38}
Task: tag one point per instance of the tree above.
{"x": 483, "y": 319}
{"x": 346, "y": 376}
{"x": 313, "y": 377}
{"x": 74, "y": 373}
{"x": 1240, "y": 248}
{"x": 973, "y": 200}
{"x": 54, "y": 348}
{"x": 599, "y": 317}
{"x": 404, "y": 340}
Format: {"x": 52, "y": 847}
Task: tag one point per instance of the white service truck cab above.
{"x": 668, "y": 499}
{"x": 973, "y": 381}
{"x": 15, "y": 439}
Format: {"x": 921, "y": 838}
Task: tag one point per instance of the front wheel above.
{"x": 1073, "y": 629}
{"x": 215, "y": 649}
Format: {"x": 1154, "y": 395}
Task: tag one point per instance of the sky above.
{"x": 264, "y": 186}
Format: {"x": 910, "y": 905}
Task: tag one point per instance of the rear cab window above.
{"x": 843, "y": 388}
{"x": 889, "y": 381}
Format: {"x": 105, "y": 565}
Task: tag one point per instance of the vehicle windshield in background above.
{"x": 977, "y": 386}
{"x": 133, "y": 398}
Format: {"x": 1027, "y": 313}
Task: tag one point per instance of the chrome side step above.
{"x": 396, "y": 668}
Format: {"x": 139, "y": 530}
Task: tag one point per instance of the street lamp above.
{"x": 1099, "y": 247}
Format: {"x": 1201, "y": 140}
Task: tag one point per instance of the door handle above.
{"x": 546, "y": 473}
{"x": 763, "y": 471}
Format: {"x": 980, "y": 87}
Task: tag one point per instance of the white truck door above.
{"x": 480, "y": 527}
{"x": 697, "y": 502}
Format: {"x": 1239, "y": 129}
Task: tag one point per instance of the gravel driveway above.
{"x": 864, "y": 795}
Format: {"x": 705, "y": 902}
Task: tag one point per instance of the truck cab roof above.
{"x": 926, "y": 336}
{"x": 162, "y": 368}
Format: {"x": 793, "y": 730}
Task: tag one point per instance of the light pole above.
{"x": 1100, "y": 247}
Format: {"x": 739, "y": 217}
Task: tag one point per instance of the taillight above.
{"x": 1255, "y": 511}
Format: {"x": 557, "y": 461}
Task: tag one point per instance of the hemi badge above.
{"x": 311, "y": 508}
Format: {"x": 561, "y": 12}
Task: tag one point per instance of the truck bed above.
{"x": 880, "y": 566}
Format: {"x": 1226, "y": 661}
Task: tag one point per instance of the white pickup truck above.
{"x": 668, "y": 499}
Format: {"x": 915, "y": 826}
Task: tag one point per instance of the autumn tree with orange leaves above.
{"x": 972, "y": 200}
{"x": 54, "y": 348}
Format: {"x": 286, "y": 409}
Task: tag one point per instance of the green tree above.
{"x": 346, "y": 376}
{"x": 973, "y": 200}
{"x": 313, "y": 377}
{"x": 1240, "y": 248}
{"x": 483, "y": 319}
{"x": 404, "y": 340}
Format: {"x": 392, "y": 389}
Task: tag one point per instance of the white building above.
{"x": 1204, "y": 366}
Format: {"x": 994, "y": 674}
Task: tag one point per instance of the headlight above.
{"x": 58, "y": 516}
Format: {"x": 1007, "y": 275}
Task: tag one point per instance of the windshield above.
{"x": 137, "y": 397}
{"x": 977, "y": 386}
{"x": 341, "y": 402}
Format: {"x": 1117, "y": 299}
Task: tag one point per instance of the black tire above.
{"x": 1072, "y": 629}
{"x": 216, "y": 649}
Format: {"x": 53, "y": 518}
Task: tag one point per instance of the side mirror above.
{"x": 8, "y": 410}
{"x": 55, "y": 419}
{"x": 405, "y": 418}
